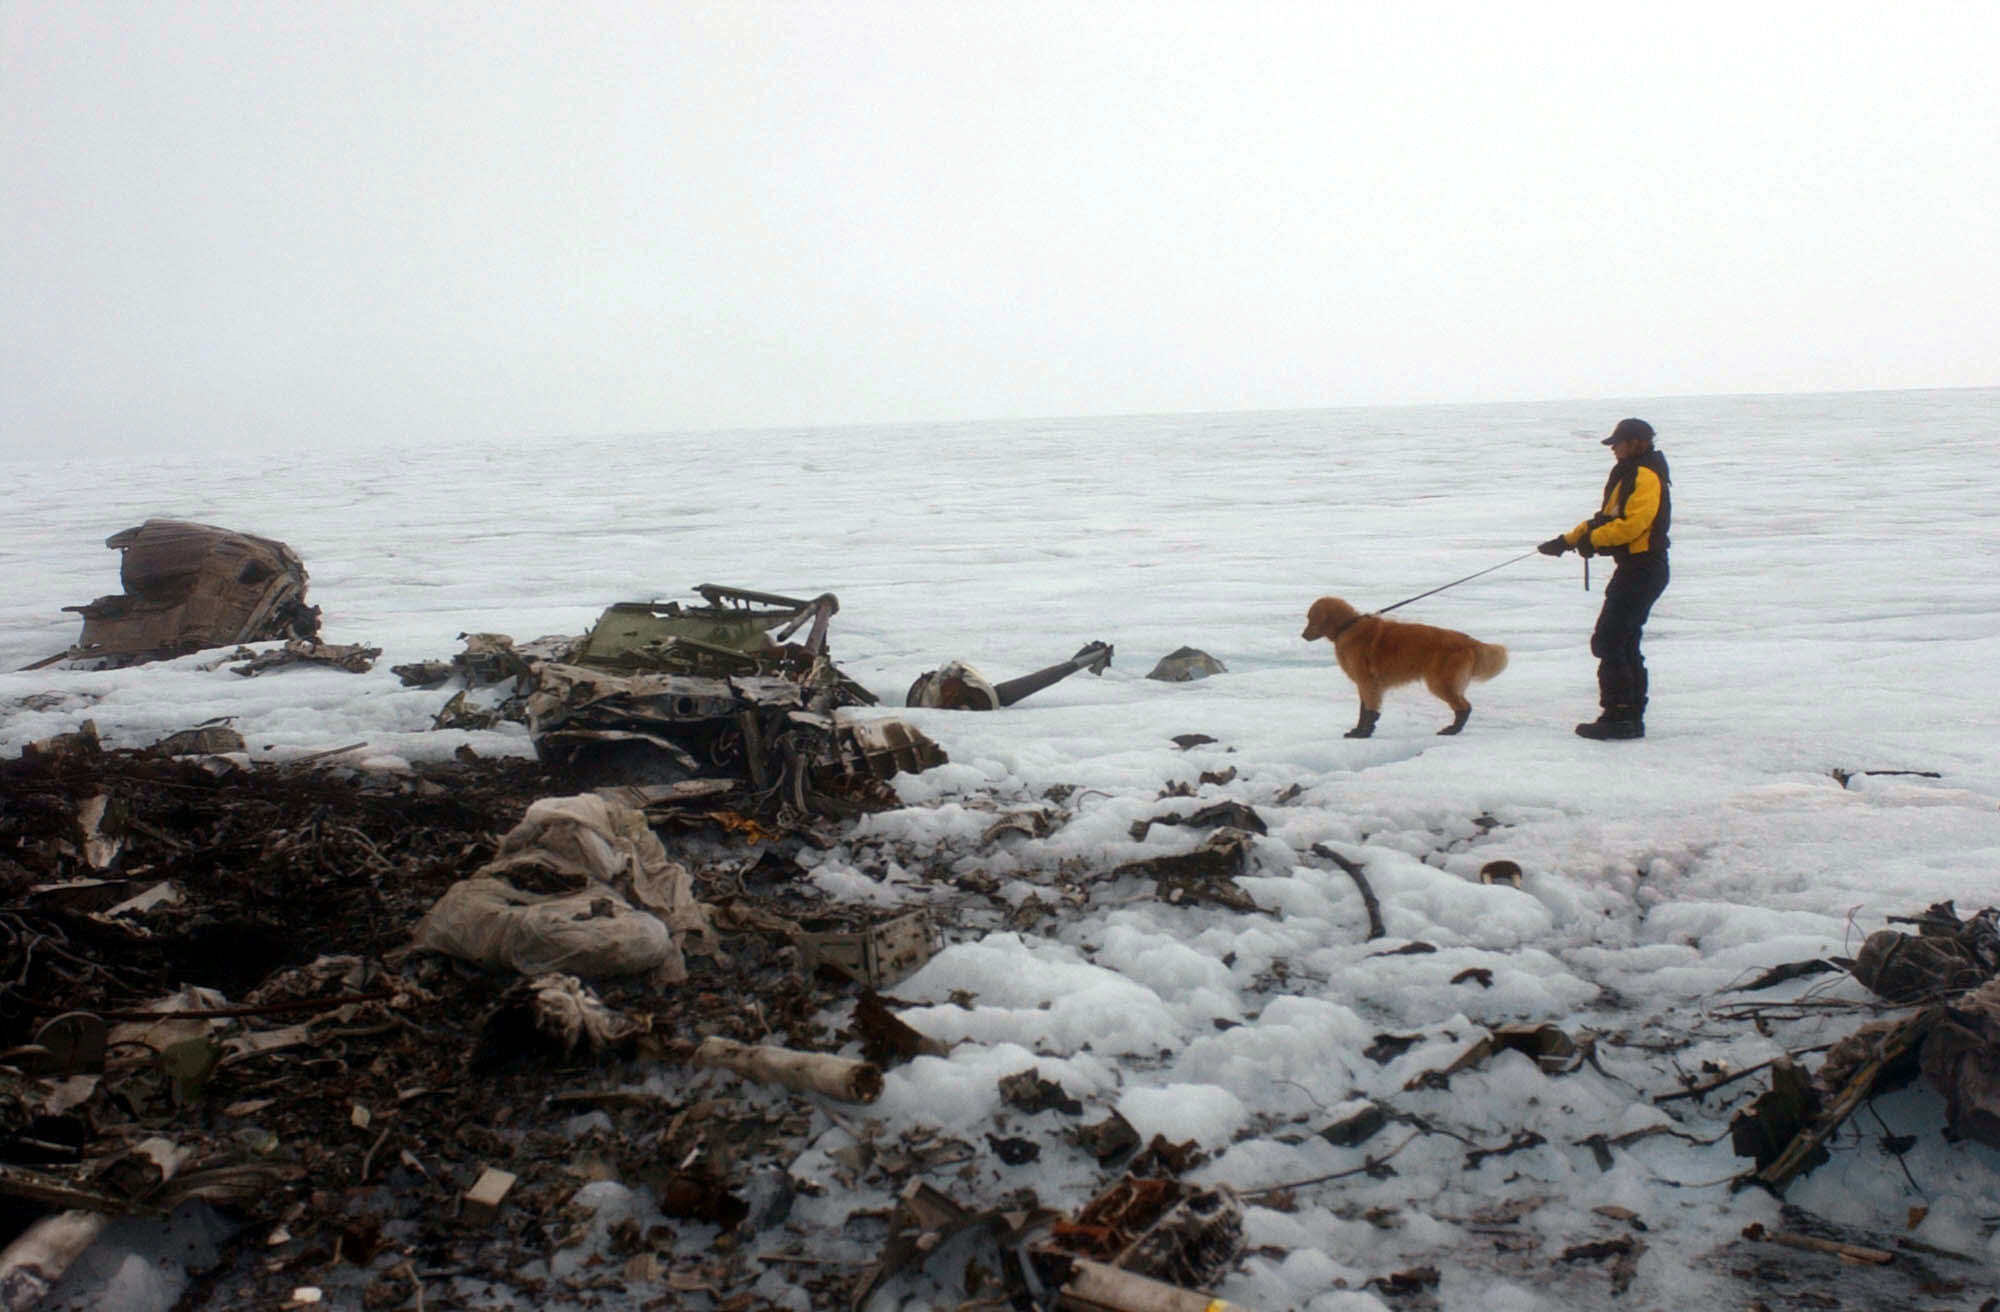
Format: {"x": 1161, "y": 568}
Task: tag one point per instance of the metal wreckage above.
{"x": 735, "y": 699}
{"x": 191, "y": 586}
{"x": 671, "y": 704}
{"x": 132, "y": 869}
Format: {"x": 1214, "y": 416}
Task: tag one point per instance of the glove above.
{"x": 1583, "y": 547}
{"x": 1553, "y": 547}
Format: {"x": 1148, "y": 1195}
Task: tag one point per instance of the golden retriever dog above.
{"x": 1379, "y": 654}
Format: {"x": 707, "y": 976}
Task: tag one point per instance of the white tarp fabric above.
{"x": 631, "y": 914}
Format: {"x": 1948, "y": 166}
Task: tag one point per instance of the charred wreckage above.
{"x": 314, "y": 995}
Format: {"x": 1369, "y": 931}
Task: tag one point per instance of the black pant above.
{"x": 1628, "y": 599}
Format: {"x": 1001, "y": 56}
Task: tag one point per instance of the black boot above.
{"x": 1621, "y": 691}
{"x": 1616, "y": 722}
{"x": 1365, "y": 726}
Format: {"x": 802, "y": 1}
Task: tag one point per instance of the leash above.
{"x": 1434, "y": 591}
{"x": 1455, "y": 582}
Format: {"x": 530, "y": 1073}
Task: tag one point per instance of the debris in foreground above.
{"x": 1950, "y": 972}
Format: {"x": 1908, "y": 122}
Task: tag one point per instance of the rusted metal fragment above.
{"x": 885, "y": 1037}
{"x": 1182, "y": 1234}
{"x": 194, "y": 586}
{"x": 886, "y": 748}
{"x": 1166, "y": 1158}
{"x": 352, "y": 657}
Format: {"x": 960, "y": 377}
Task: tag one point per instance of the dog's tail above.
{"x": 1488, "y": 660}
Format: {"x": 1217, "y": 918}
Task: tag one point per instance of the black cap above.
{"x": 1630, "y": 430}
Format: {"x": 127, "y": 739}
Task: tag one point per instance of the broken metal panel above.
{"x": 489, "y": 658}
{"x": 570, "y": 749}
{"x": 766, "y": 690}
{"x": 883, "y": 749}
{"x": 633, "y": 635}
{"x": 573, "y": 708}
{"x": 192, "y": 586}
{"x": 661, "y": 694}
{"x": 736, "y": 633}
{"x": 663, "y": 728}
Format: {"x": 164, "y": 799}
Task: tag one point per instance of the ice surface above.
{"x": 1835, "y": 606}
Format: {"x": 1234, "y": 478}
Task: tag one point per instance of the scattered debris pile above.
{"x": 1949, "y": 972}
{"x": 190, "y": 587}
{"x": 1162, "y": 1229}
{"x": 353, "y": 1008}
{"x": 353, "y": 657}
{"x": 219, "y": 958}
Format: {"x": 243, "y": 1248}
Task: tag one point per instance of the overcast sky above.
{"x": 326, "y": 221}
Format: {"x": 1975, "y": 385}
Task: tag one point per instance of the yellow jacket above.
{"x": 1636, "y": 510}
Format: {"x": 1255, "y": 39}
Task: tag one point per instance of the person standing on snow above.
{"x": 1632, "y": 530}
